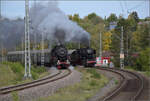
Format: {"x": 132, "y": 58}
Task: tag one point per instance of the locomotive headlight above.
{"x": 68, "y": 62}
{"x": 58, "y": 62}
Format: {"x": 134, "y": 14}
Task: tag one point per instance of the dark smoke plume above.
{"x": 11, "y": 32}
{"x": 48, "y": 18}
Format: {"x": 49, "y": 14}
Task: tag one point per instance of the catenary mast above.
{"x": 27, "y": 41}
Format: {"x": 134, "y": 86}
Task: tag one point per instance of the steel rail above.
{"x": 123, "y": 83}
{"x": 120, "y": 86}
{"x": 35, "y": 81}
{"x": 141, "y": 81}
{"x": 30, "y": 85}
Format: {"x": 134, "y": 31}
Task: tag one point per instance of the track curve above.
{"x": 129, "y": 89}
{"x": 61, "y": 74}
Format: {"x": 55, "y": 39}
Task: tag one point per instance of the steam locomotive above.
{"x": 83, "y": 56}
{"x": 59, "y": 57}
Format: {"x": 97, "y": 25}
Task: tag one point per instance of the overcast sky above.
{"x": 14, "y": 9}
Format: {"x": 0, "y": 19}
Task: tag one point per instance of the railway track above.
{"x": 61, "y": 74}
{"x": 129, "y": 89}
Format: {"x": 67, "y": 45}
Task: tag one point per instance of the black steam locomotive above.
{"x": 59, "y": 57}
{"x": 83, "y": 56}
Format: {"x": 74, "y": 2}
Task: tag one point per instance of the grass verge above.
{"x": 146, "y": 73}
{"x": 15, "y": 96}
{"x": 13, "y": 73}
{"x": 91, "y": 82}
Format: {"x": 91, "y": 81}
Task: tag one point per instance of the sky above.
{"x": 15, "y": 8}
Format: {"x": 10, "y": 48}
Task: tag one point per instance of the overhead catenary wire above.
{"x": 136, "y": 6}
{"x": 121, "y": 7}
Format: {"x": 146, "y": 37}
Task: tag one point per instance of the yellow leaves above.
{"x": 107, "y": 41}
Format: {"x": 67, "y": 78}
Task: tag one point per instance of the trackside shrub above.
{"x": 94, "y": 73}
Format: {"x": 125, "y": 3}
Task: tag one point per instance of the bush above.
{"x": 143, "y": 61}
{"x": 18, "y": 69}
{"x": 94, "y": 73}
{"x": 34, "y": 75}
{"x": 147, "y": 73}
{"x": 38, "y": 69}
{"x": 93, "y": 83}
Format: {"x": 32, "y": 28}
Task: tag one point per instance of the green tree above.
{"x": 94, "y": 18}
{"x": 143, "y": 61}
{"x": 112, "y": 18}
{"x": 134, "y": 16}
{"x": 141, "y": 37}
{"x": 76, "y": 18}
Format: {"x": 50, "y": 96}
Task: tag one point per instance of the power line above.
{"x": 137, "y": 6}
{"x": 126, "y": 4}
{"x": 121, "y": 6}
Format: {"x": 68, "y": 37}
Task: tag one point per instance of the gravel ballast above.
{"x": 46, "y": 89}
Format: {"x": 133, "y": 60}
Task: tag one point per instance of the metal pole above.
{"x": 2, "y": 42}
{"x": 149, "y": 8}
{"x": 2, "y": 52}
{"x": 42, "y": 54}
{"x": 35, "y": 57}
{"x": 0, "y": 10}
{"x": 149, "y": 22}
{"x": 127, "y": 48}
{"x": 122, "y": 50}
{"x": 25, "y": 73}
{"x": 89, "y": 43}
{"x": 22, "y": 50}
{"x": 79, "y": 45}
{"x": 100, "y": 45}
{"x": 29, "y": 55}
{"x": 27, "y": 40}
